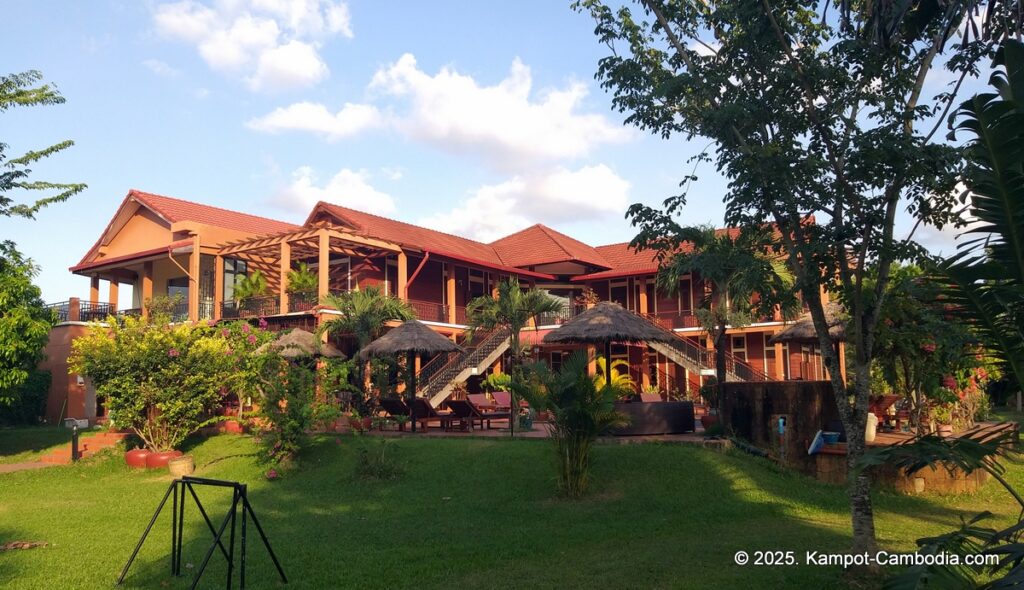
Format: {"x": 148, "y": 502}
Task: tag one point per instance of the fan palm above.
{"x": 252, "y": 285}
{"x": 620, "y": 377}
{"x": 364, "y": 313}
{"x": 986, "y": 277}
{"x": 511, "y": 310}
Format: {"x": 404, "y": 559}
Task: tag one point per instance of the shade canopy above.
{"x": 298, "y": 343}
{"x": 411, "y": 336}
{"x": 607, "y": 322}
{"x": 803, "y": 329}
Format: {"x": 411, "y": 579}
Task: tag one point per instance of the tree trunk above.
{"x": 720, "y": 369}
{"x": 859, "y": 489}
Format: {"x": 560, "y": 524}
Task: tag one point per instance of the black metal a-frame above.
{"x": 239, "y": 501}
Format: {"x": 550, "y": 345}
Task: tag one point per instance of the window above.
{"x": 234, "y": 270}
{"x": 557, "y": 358}
{"x": 685, "y": 296}
{"x": 739, "y": 347}
{"x": 178, "y": 286}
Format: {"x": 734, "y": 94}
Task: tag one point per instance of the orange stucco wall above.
{"x": 67, "y": 399}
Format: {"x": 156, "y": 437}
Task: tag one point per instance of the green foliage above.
{"x": 250, "y": 286}
{"x": 24, "y": 322}
{"x": 580, "y": 410}
{"x": 302, "y": 279}
{"x": 709, "y": 392}
{"x": 621, "y": 379}
{"x": 164, "y": 381}
{"x": 288, "y": 407}
{"x": 28, "y": 400}
{"x": 497, "y": 382}
{"x": 375, "y": 460}
{"x": 364, "y": 313}
{"x": 334, "y": 376}
{"x": 986, "y": 279}
{"x": 165, "y": 305}
{"x": 21, "y": 90}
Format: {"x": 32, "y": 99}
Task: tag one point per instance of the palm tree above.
{"x": 364, "y": 313}
{"x": 736, "y": 267}
{"x": 987, "y": 277}
{"x": 621, "y": 378}
{"x": 511, "y": 310}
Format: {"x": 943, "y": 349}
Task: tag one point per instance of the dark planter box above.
{"x": 656, "y": 418}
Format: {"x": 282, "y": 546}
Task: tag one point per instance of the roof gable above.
{"x": 539, "y": 244}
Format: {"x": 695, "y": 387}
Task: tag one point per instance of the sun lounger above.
{"x": 425, "y": 414}
{"x": 486, "y": 413}
{"x": 395, "y": 407}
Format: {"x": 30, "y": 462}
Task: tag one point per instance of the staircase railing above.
{"x": 440, "y": 371}
{"x": 705, "y": 357}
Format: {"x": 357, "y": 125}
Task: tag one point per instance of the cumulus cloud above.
{"x": 557, "y": 196}
{"x": 273, "y": 44}
{"x": 504, "y": 122}
{"x": 161, "y": 69}
{"x": 317, "y": 119}
{"x": 350, "y": 188}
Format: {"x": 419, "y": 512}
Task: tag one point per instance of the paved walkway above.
{"x": 12, "y": 467}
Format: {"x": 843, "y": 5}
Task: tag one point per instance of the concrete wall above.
{"x": 67, "y": 399}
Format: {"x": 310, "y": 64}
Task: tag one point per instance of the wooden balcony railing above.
{"x": 429, "y": 311}
{"x": 672, "y": 320}
{"x": 252, "y": 307}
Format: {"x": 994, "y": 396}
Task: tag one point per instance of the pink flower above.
{"x": 271, "y": 474}
{"x": 246, "y": 328}
{"x": 172, "y": 352}
{"x": 263, "y": 323}
{"x": 211, "y": 323}
{"x": 949, "y": 382}
{"x": 928, "y": 347}
{"x": 225, "y": 332}
{"x": 229, "y": 352}
{"x": 252, "y": 339}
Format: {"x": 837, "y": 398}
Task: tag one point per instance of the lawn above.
{"x": 466, "y": 514}
{"x": 23, "y": 444}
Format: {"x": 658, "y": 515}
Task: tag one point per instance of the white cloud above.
{"x": 315, "y": 118}
{"x": 558, "y": 196}
{"x": 503, "y": 122}
{"x": 161, "y": 69}
{"x": 350, "y": 188}
{"x": 273, "y": 44}
{"x": 394, "y": 173}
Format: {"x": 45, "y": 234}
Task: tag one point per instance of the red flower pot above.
{"x": 136, "y": 458}
{"x": 708, "y": 420}
{"x": 159, "y": 460}
{"x": 234, "y": 427}
{"x": 367, "y": 423}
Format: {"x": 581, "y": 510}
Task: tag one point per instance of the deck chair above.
{"x": 395, "y": 407}
{"x": 465, "y": 413}
{"x": 425, "y": 414}
{"x": 484, "y": 413}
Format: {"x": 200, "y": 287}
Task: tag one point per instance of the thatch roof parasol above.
{"x": 411, "y": 336}
{"x": 298, "y": 343}
{"x": 605, "y": 323}
{"x": 803, "y": 329}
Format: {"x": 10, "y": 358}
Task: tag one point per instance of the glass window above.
{"x": 234, "y": 270}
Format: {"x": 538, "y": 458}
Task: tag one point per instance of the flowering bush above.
{"x": 163, "y": 381}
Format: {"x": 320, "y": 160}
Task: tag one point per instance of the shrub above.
{"x": 164, "y": 381}
{"x": 302, "y": 279}
{"x": 29, "y": 400}
{"x": 288, "y": 407}
{"x": 373, "y": 461}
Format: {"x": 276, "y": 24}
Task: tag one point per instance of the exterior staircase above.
{"x": 440, "y": 376}
{"x": 697, "y": 358}
{"x": 87, "y": 447}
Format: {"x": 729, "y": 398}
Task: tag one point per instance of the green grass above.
{"x": 21, "y": 444}
{"x": 468, "y": 513}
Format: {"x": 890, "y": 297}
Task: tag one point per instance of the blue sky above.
{"x": 478, "y": 118}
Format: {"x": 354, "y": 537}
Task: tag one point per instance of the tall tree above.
{"x": 809, "y": 114}
{"x": 24, "y": 321}
{"x": 512, "y": 310}
{"x": 22, "y": 90}
{"x": 743, "y": 277}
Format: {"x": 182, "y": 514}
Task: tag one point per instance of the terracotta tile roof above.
{"x": 539, "y": 244}
{"x": 622, "y": 261}
{"x": 174, "y": 210}
{"x": 407, "y": 234}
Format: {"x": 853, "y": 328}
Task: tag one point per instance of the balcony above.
{"x": 249, "y": 308}
{"x": 673, "y": 320}
{"x": 303, "y": 300}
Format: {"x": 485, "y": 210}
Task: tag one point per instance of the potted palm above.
{"x": 249, "y": 288}
{"x": 302, "y": 286}
{"x": 709, "y": 392}
{"x": 942, "y": 415}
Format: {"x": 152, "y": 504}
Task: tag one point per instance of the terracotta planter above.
{"x": 367, "y": 423}
{"x": 136, "y": 458}
{"x": 708, "y": 420}
{"x": 356, "y": 424}
{"x": 234, "y": 427}
{"x": 181, "y": 466}
{"x": 159, "y": 460}
{"x": 945, "y": 430}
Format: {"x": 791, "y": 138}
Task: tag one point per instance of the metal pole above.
{"x": 174, "y": 529}
{"x": 241, "y": 568}
{"x": 266, "y": 542}
{"x": 231, "y": 543}
{"x": 216, "y": 542}
{"x": 152, "y": 521}
{"x": 209, "y": 523}
{"x": 75, "y": 455}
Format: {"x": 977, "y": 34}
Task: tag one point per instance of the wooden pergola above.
{"x": 272, "y": 255}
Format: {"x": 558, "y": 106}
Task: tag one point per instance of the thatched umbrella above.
{"x": 412, "y": 337}
{"x": 803, "y": 329}
{"x": 605, "y": 323}
{"x": 299, "y": 343}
